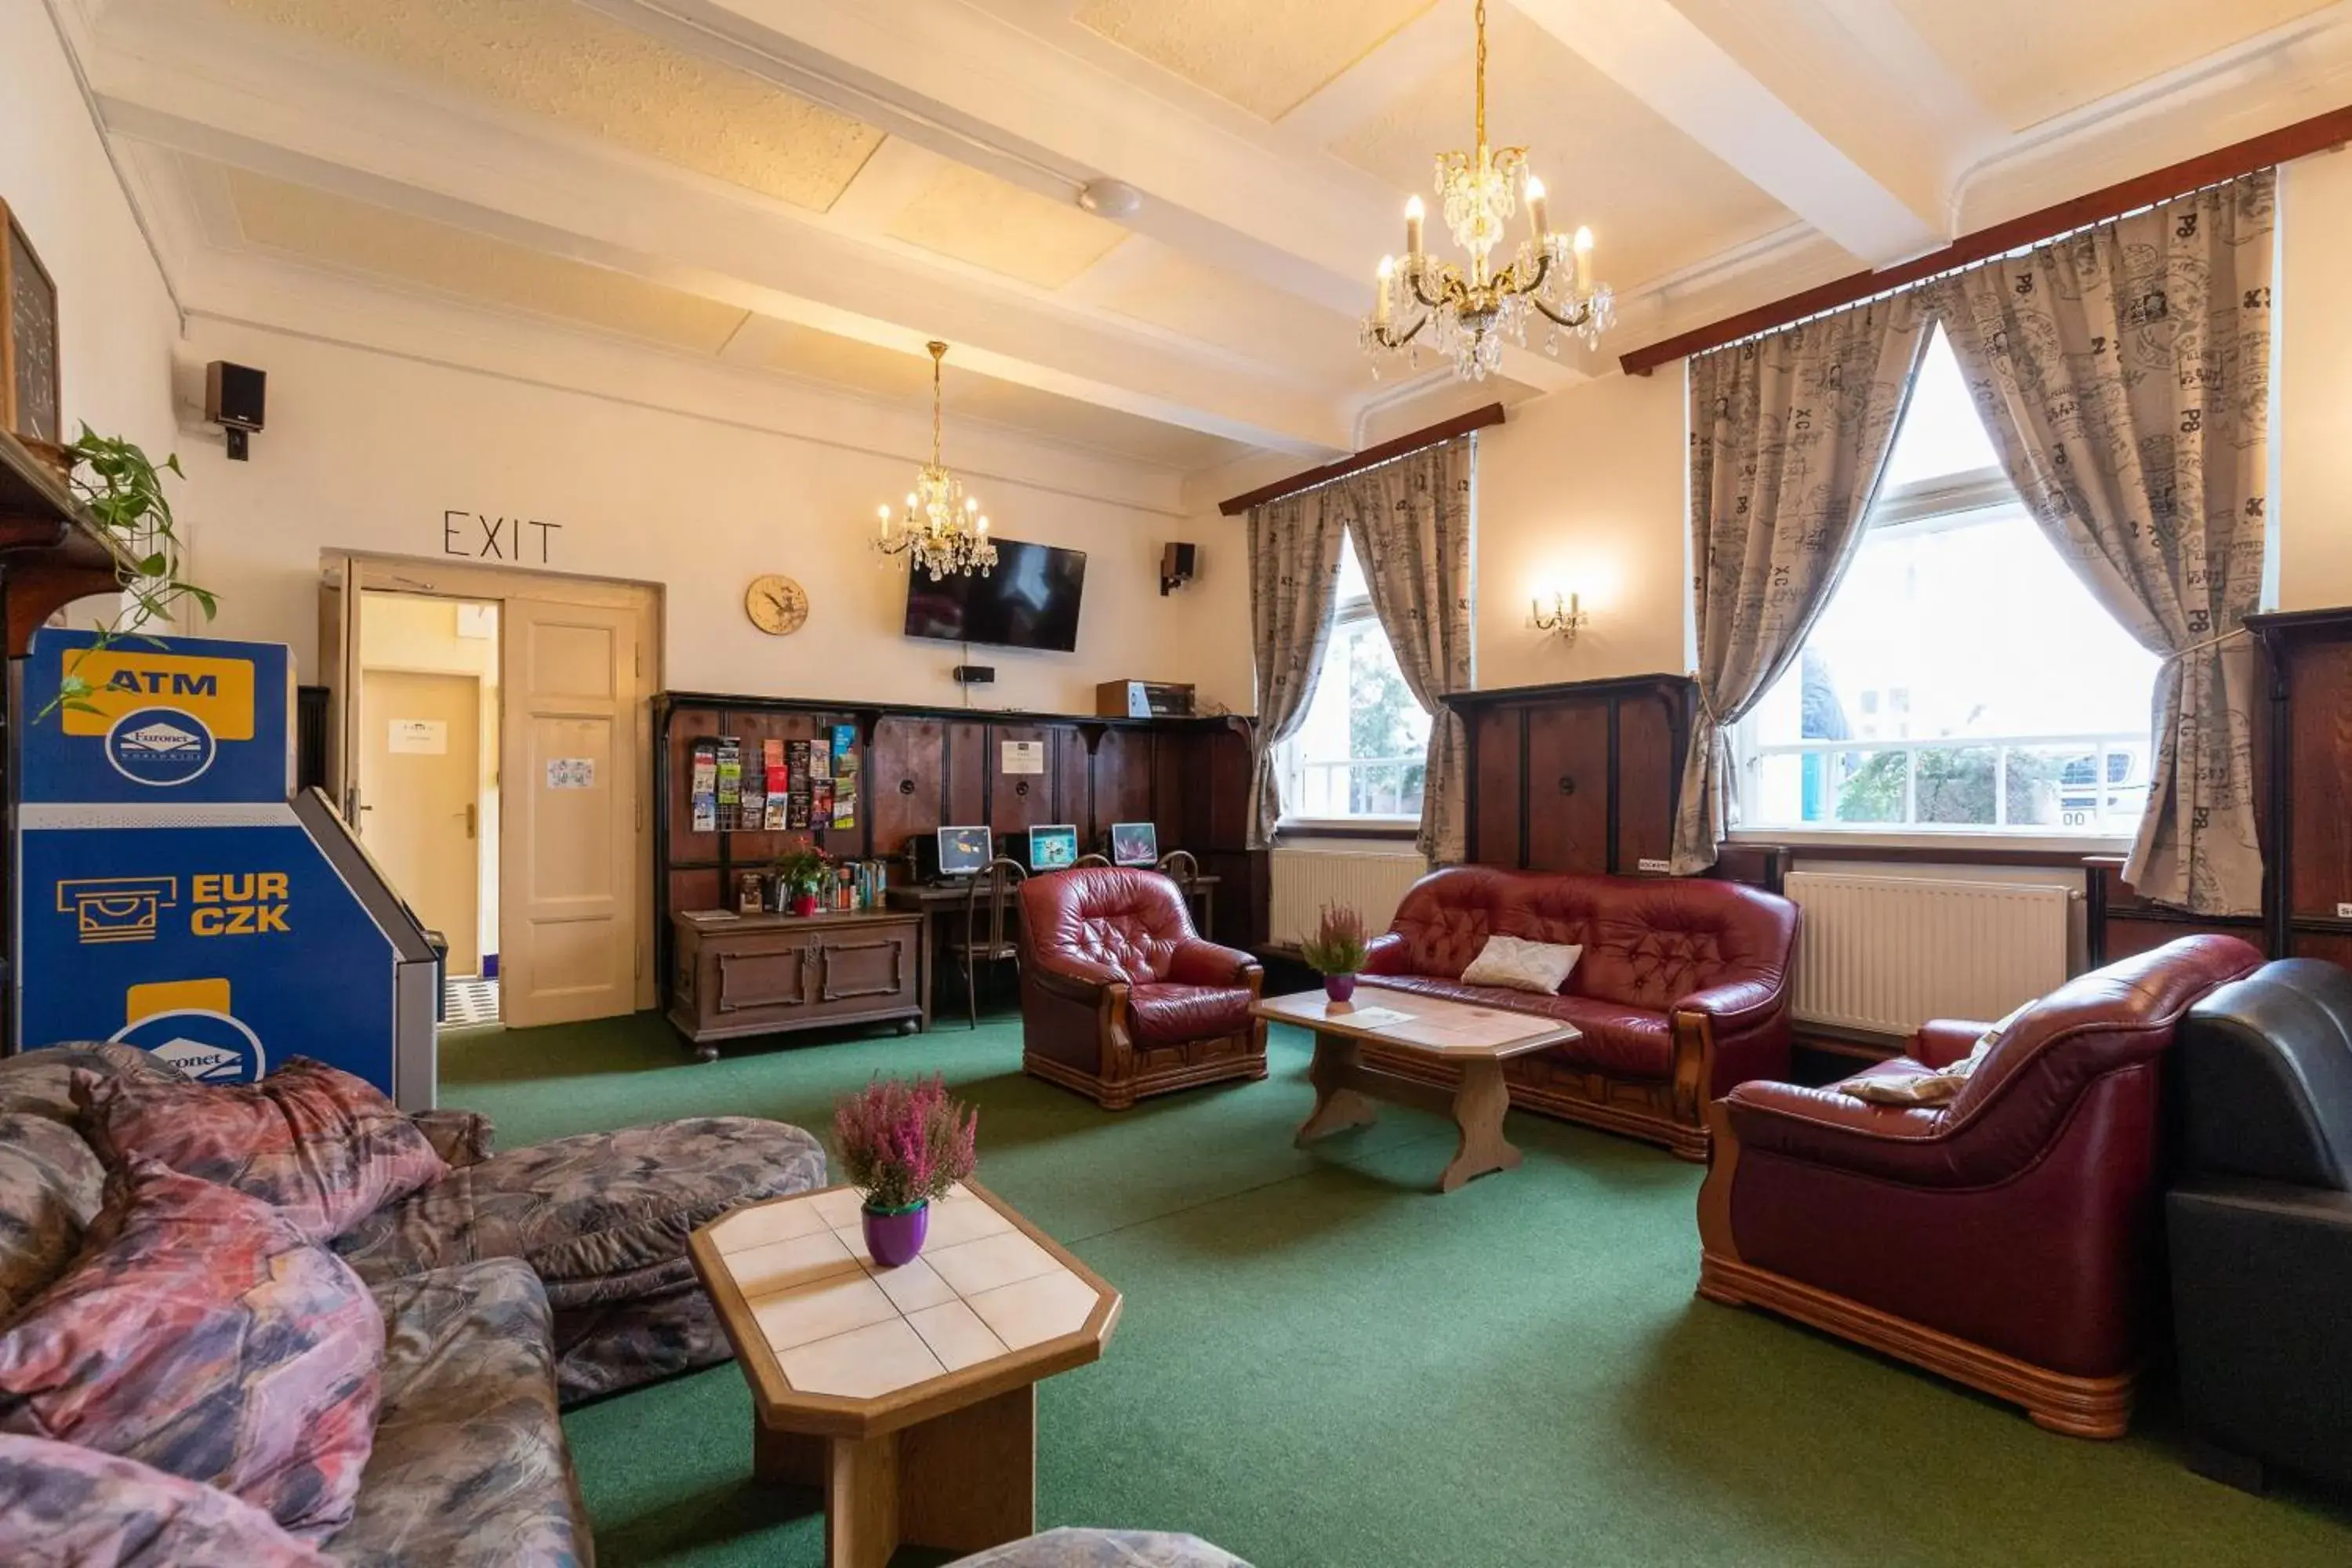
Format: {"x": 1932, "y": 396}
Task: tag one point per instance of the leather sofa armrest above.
{"x": 1735, "y": 1004}
{"x": 1076, "y": 978}
{"x": 1940, "y": 1042}
{"x": 1385, "y": 954}
{"x": 1201, "y": 963}
{"x": 461, "y": 1138}
{"x": 1827, "y": 1128}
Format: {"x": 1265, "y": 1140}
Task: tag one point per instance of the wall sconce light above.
{"x": 1565, "y": 616}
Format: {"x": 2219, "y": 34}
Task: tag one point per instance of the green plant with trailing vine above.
{"x": 122, "y": 489}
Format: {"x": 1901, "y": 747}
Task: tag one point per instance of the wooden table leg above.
{"x": 1479, "y": 1103}
{"x": 862, "y": 1497}
{"x": 968, "y": 1480}
{"x": 1337, "y": 1105}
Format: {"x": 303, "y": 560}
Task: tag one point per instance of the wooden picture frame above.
{"x": 32, "y": 401}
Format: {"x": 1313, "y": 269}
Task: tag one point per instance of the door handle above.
{"x": 473, "y": 820}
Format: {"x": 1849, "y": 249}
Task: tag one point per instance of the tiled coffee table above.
{"x": 908, "y": 1396}
{"x": 1471, "y": 1042}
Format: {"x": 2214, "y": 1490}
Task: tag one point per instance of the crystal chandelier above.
{"x": 942, "y": 530}
{"x": 1468, "y": 314}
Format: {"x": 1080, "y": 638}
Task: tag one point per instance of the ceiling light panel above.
{"x": 565, "y": 63}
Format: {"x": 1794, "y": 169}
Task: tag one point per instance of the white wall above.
{"x": 2315, "y": 378}
{"x": 369, "y": 451}
{"x": 116, "y": 322}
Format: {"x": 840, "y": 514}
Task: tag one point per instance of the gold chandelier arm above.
{"x": 1451, "y": 289}
{"x": 1577, "y": 316}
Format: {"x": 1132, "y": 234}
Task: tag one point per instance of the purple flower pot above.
{"x": 894, "y": 1236}
{"x": 1338, "y": 987}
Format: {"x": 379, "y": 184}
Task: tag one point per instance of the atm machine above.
{"x": 172, "y": 893}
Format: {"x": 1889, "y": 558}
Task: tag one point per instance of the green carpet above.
{"x": 1322, "y": 1364}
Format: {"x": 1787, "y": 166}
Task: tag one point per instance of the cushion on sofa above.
{"x": 199, "y": 1332}
{"x": 603, "y": 1217}
{"x": 1537, "y": 967}
{"x": 1171, "y": 1015}
{"x": 40, "y": 1082}
{"x": 50, "y": 1188}
{"x": 64, "y": 1505}
{"x": 325, "y": 1147}
{"x": 1630, "y": 1041}
{"x": 469, "y": 1468}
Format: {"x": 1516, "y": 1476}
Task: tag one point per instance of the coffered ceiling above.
{"x": 807, "y": 189}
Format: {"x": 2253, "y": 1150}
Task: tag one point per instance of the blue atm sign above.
{"x": 165, "y": 723}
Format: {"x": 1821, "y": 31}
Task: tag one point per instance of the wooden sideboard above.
{"x": 771, "y": 974}
{"x": 1580, "y": 776}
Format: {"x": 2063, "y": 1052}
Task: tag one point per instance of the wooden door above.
{"x": 420, "y": 798}
{"x": 1568, "y": 787}
{"x": 568, "y": 852}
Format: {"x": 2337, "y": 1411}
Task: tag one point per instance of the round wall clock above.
{"x": 777, "y": 604}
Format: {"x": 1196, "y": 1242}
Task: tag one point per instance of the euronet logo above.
{"x": 160, "y": 747}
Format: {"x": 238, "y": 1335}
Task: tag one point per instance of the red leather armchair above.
{"x": 1120, "y": 998}
{"x": 1682, "y": 990}
{"x": 2006, "y": 1239}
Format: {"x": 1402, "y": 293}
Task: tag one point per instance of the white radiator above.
{"x": 1888, "y": 953}
{"x": 1307, "y": 879}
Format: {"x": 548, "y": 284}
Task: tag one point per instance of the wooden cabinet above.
{"x": 768, "y": 975}
{"x": 1575, "y": 777}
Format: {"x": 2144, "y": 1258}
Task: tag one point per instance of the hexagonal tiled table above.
{"x": 909, "y": 1395}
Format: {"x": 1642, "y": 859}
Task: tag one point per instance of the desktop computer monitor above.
{"x": 1134, "y": 844}
{"x": 964, "y": 851}
{"x": 1053, "y": 848}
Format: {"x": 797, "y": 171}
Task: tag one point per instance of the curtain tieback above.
{"x": 2229, "y": 635}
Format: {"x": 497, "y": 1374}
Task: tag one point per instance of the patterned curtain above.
{"x": 1293, "y": 548}
{"x": 1789, "y": 435}
{"x": 1411, "y": 521}
{"x": 2124, "y": 376}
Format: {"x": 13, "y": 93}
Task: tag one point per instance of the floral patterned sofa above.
{"x": 514, "y": 1285}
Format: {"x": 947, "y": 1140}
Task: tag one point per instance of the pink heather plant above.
{"x": 1338, "y": 944}
{"x": 905, "y": 1144}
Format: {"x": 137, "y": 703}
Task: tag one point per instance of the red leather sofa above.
{"x": 2006, "y": 1239}
{"x": 1681, "y": 992}
{"x": 1120, "y": 998}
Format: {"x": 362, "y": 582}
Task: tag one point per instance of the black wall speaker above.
{"x": 235, "y": 397}
{"x": 1178, "y": 563}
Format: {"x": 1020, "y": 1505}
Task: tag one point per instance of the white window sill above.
{"x": 1973, "y": 839}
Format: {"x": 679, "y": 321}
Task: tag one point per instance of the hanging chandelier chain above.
{"x": 939, "y": 362}
{"x": 1481, "y": 75}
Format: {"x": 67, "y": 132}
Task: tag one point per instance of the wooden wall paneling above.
{"x": 1497, "y": 824}
{"x": 1648, "y": 774}
{"x": 2318, "y": 680}
{"x": 1221, "y": 786}
{"x": 1567, "y": 786}
{"x": 1018, "y": 802}
{"x": 968, "y": 772}
{"x": 1125, "y": 777}
{"x": 688, "y": 727}
{"x": 1172, "y": 790}
{"x": 2335, "y": 946}
{"x": 909, "y": 764}
{"x": 1073, "y": 773}
{"x": 700, "y": 888}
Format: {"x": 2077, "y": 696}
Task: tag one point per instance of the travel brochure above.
{"x": 782, "y": 786}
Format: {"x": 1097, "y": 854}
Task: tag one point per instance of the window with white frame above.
{"x": 1961, "y": 679}
{"x": 1361, "y": 753}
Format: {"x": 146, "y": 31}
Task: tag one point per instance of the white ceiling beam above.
{"x": 575, "y": 197}
{"x": 1653, "y": 51}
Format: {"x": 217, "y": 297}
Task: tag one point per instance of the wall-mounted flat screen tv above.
{"x": 1030, "y": 600}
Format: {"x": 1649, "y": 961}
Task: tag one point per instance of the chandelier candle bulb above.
{"x": 1583, "y": 260}
{"x": 1536, "y": 220}
{"x": 1413, "y": 214}
{"x": 1381, "y": 300}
